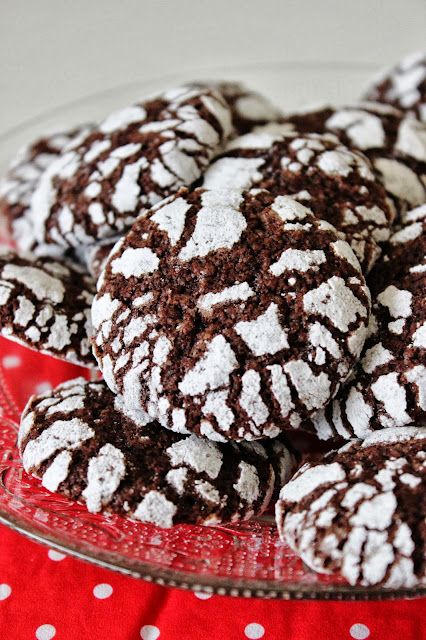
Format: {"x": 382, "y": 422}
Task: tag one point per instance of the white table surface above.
{"x": 52, "y": 51}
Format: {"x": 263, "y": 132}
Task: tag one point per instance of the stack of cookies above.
{"x": 238, "y": 275}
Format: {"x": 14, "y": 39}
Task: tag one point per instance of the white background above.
{"x": 52, "y": 51}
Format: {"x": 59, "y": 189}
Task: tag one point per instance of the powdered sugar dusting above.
{"x": 42, "y": 284}
{"x": 171, "y": 218}
{"x": 388, "y": 391}
{"x": 212, "y": 371}
{"x": 297, "y": 260}
{"x": 247, "y": 485}
{"x": 201, "y": 455}
{"x": 230, "y": 294}
{"x": 62, "y": 434}
{"x": 57, "y": 471}
{"x": 401, "y": 181}
{"x": 122, "y": 118}
{"x": 364, "y": 129}
{"x": 394, "y": 434}
{"x": 397, "y": 301}
{"x": 358, "y": 413}
{"x": 233, "y": 173}
{"x": 313, "y": 391}
{"x": 334, "y": 300}
{"x": 135, "y": 262}
{"x": 156, "y": 509}
{"x": 289, "y": 209}
{"x": 250, "y": 399}
{"x": 309, "y": 479}
{"x": 265, "y": 334}
{"x": 104, "y": 474}
{"x": 219, "y": 224}
{"x": 411, "y": 138}
{"x": 280, "y": 389}
{"x": 216, "y": 404}
{"x": 375, "y": 356}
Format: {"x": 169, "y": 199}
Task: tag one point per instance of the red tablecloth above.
{"x": 44, "y": 594}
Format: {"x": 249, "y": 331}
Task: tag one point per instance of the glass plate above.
{"x": 245, "y": 559}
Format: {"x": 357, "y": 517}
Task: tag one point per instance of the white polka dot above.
{"x": 102, "y": 591}
{"x": 359, "y": 631}
{"x": 10, "y": 362}
{"x": 254, "y": 631}
{"x": 201, "y": 595}
{"x": 5, "y": 591}
{"x": 43, "y": 387}
{"x": 55, "y": 555}
{"x": 149, "y": 632}
{"x": 45, "y": 632}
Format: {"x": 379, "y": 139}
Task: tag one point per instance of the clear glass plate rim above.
{"x": 223, "y": 586}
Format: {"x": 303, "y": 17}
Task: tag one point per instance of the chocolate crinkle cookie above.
{"x": 388, "y": 386}
{"x": 23, "y": 177}
{"x": 45, "y": 305}
{"x": 84, "y": 444}
{"x": 132, "y": 160}
{"x": 229, "y": 314}
{"x": 336, "y": 183}
{"x": 360, "y": 511}
{"x": 403, "y": 86}
{"x": 393, "y": 141}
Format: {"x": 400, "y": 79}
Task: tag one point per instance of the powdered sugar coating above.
{"x": 264, "y": 335}
{"x": 135, "y": 158}
{"x": 361, "y": 525}
{"x": 45, "y": 305}
{"x": 236, "y": 366}
{"x": 81, "y": 444}
{"x": 388, "y": 386}
{"x": 248, "y": 108}
{"x": 219, "y": 225}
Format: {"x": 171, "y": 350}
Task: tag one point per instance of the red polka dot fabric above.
{"x": 45, "y": 594}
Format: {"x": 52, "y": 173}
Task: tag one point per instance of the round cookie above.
{"x": 248, "y": 108}
{"x": 394, "y": 143}
{"x": 84, "y": 446}
{"x": 360, "y": 511}
{"x": 388, "y": 386}
{"x": 403, "y": 86}
{"x": 230, "y": 314}
{"x": 336, "y": 183}
{"x": 45, "y": 305}
{"x": 23, "y": 176}
{"x": 132, "y": 160}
